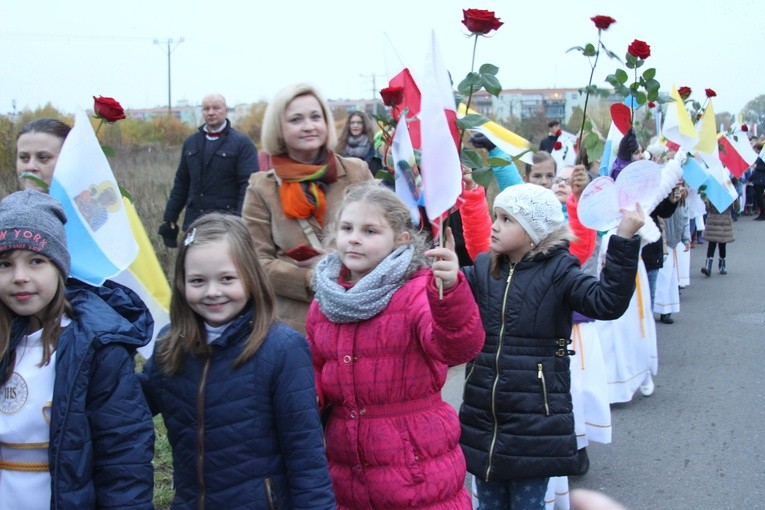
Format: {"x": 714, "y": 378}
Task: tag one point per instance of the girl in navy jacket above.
{"x": 235, "y": 386}
{"x": 75, "y": 431}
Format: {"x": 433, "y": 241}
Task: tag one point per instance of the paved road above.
{"x": 698, "y": 442}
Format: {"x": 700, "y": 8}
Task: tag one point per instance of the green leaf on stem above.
{"x": 497, "y": 162}
{"x": 471, "y": 158}
{"x": 649, "y": 74}
{"x": 483, "y": 176}
{"x": 622, "y": 76}
{"x": 491, "y": 84}
{"x": 471, "y": 121}
{"x": 589, "y": 89}
{"x": 577, "y": 48}
{"x": 108, "y": 151}
{"x": 125, "y": 193}
{"x": 640, "y": 97}
{"x": 488, "y": 69}
{"x": 611, "y": 54}
{"x": 589, "y": 50}
{"x": 385, "y": 176}
{"x": 471, "y": 84}
{"x": 32, "y": 177}
{"x": 652, "y": 85}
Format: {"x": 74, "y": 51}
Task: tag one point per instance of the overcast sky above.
{"x": 66, "y": 52}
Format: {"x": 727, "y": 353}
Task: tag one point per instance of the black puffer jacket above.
{"x": 516, "y": 417}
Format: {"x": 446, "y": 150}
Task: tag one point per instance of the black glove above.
{"x": 169, "y": 235}
{"x": 628, "y": 146}
{"x": 479, "y": 141}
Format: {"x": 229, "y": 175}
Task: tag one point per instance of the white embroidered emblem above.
{"x": 13, "y": 395}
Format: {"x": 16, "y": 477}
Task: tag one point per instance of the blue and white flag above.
{"x": 408, "y": 179}
{"x": 97, "y": 228}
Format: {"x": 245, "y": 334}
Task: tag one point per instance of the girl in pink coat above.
{"x": 382, "y": 341}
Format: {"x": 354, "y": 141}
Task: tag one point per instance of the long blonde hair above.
{"x": 187, "y": 335}
{"x": 51, "y": 329}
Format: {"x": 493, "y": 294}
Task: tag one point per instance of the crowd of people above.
{"x": 313, "y": 326}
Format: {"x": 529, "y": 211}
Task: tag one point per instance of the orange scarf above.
{"x": 302, "y": 186}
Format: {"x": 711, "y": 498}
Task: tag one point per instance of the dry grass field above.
{"x": 148, "y": 173}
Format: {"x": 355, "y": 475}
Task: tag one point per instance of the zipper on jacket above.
{"x": 496, "y": 373}
{"x": 541, "y": 377}
{"x": 70, "y": 395}
{"x": 201, "y": 433}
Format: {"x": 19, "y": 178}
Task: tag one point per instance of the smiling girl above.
{"x": 234, "y": 385}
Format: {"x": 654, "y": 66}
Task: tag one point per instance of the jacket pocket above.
{"x": 271, "y": 499}
{"x": 543, "y": 383}
{"x": 412, "y": 459}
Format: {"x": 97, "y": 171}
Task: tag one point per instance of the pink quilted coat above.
{"x": 392, "y": 442}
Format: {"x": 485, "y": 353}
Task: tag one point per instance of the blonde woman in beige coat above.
{"x": 286, "y": 206}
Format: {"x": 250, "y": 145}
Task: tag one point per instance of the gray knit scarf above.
{"x": 357, "y": 146}
{"x": 369, "y": 296}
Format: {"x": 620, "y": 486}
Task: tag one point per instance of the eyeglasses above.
{"x": 561, "y": 180}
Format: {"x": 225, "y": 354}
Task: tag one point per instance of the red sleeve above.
{"x": 584, "y": 245}
{"x": 476, "y": 221}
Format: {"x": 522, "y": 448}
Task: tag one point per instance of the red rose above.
{"x": 651, "y": 104}
{"x": 744, "y": 128}
{"x": 108, "y": 109}
{"x": 639, "y": 49}
{"x": 684, "y": 92}
{"x": 558, "y": 146}
{"x": 603, "y": 22}
{"x": 710, "y": 92}
{"x": 392, "y": 96}
{"x": 479, "y": 21}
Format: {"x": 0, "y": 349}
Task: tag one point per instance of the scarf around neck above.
{"x": 369, "y": 296}
{"x": 303, "y": 186}
{"x": 357, "y": 146}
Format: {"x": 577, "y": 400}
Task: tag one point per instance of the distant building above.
{"x": 185, "y": 112}
{"x": 342, "y": 107}
{"x": 554, "y": 104}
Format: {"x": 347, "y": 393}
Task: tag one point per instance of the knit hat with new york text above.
{"x": 34, "y": 221}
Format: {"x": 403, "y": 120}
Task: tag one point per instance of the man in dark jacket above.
{"x": 216, "y": 163}
{"x": 548, "y": 143}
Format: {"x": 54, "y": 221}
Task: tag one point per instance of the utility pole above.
{"x": 375, "y": 100}
{"x": 169, "y": 43}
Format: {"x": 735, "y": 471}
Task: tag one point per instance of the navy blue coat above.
{"x": 233, "y": 431}
{"x": 101, "y": 432}
{"x": 216, "y": 181}
{"x": 516, "y": 417}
